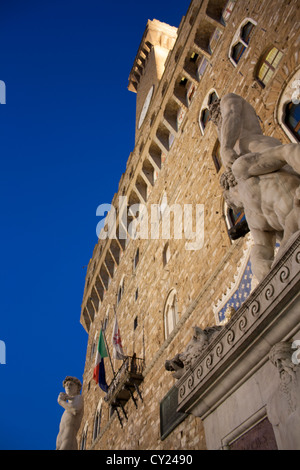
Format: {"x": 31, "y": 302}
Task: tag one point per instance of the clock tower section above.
{"x": 148, "y": 68}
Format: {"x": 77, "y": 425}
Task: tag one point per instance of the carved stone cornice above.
{"x": 269, "y": 315}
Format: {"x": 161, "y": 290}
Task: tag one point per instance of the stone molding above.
{"x": 266, "y": 317}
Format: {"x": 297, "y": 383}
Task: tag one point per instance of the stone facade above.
{"x": 173, "y": 156}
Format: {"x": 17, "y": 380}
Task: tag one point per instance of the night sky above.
{"x": 66, "y": 132}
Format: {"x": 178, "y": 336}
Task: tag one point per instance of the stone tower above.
{"x": 161, "y": 285}
{"x": 158, "y": 40}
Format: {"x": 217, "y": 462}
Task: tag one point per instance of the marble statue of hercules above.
{"x": 262, "y": 177}
{"x": 72, "y": 402}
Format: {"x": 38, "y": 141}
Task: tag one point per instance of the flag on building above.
{"x": 99, "y": 370}
{"x": 118, "y": 352}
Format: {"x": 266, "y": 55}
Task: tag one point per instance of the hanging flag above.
{"x": 99, "y": 370}
{"x": 118, "y": 352}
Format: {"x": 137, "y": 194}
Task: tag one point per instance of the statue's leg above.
{"x": 70, "y": 443}
{"x": 291, "y": 154}
{"x": 268, "y": 161}
{"x": 58, "y": 442}
{"x": 262, "y": 252}
{"x": 255, "y": 164}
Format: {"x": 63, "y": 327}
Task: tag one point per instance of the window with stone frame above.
{"x": 97, "y": 421}
{"x": 204, "y": 112}
{"x": 288, "y": 107}
{"x": 216, "y": 156}
{"x": 292, "y": 118}
{"x": 267, "y": 65}
{"x": 136, "y": 259}
{"x": 84, "y": 437}
{"x": 236, "y": 223}
{"x": 241, "y": 40}
{"x": 166, "y": 254}
{"x": 234, "y": 218}
{"x": 246, "y": 32}
{"x": 120, "y": 291}
{"x": 204, "y": 118}
{"x": 94, "y": 345}
{"x": 170, "y": 313}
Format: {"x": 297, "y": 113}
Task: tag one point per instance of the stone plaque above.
{"x": 260, "y": 437}
{"x": 169, "y": 417}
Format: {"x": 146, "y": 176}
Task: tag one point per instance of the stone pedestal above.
{"x": 231, "y": 384}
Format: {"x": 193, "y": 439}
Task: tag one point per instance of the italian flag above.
{"x": 99, "y": 370}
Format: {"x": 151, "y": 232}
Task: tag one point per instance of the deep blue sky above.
{"x": 66, "y": 132}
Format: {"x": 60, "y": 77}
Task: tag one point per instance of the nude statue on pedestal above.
{"x": 262, "y": 178}
{"x": 72, "y": 402}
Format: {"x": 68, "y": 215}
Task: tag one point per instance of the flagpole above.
{"x": 108, "y": 350}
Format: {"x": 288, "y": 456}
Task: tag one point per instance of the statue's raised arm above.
{"x": 231, "y": 108}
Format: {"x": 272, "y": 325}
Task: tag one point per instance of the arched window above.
{"x": 237, "y": 52}
{"x": 268, "y": 65}
{"x": 292, "y": 118}
{"x": 241, "y": 40}
{"x": 288, "y": 108}
{"x": 170, "y": 313}
{"x": 216, "y": 156}
{"x": 166, "y": 254}
{"x": 234, "y": 218}
{"x": 97, "y": 420}
{"x": 121, "y": 290}
{"x": 136, "y": 259}
{"x": 212, "y": 98}
{"x": 84, "y": 437}
{"x": 105, "y": 321}
{"x": 94, "y": 344}
{"x": 204, "y": 112}
{"x": 163, "y": 204}
{"x": 204, "y": 118}
{"x": 246, "y": 32}
{"x": 236, "y": 223}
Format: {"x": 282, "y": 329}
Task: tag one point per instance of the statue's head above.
{"x": 72, "y": 385}
{"x": 281, "y": 351}
{"x": 227, "y": 180}
{"x": 281, "y": 356}
{"x": 231, "y": 192}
